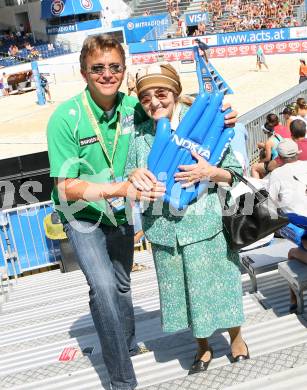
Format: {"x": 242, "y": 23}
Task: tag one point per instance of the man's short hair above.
{"x": 298, "y": 128}
{"x": 99, "y": 42}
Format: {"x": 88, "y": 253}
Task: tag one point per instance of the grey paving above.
{"x": 226, "y": 376}
{"x": 38, "y": 323}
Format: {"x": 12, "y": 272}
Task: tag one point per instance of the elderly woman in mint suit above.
{"x": 198, "y": 275}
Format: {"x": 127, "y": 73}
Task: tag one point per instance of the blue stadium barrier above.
{"x": 30, "y": 247}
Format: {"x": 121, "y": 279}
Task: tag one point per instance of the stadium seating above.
{"x": 158, "y": 7}
{"x": 223, "y": 22}
{"x": 25, "y": 55}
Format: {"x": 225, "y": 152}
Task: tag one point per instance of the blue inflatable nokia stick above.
{"x": 201, "y": 130}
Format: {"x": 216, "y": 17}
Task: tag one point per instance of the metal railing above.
{"x": 24, "y": 245}
{"x": 254, "y": 119}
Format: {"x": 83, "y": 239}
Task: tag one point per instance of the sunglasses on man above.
{"x": 101, "y": 69}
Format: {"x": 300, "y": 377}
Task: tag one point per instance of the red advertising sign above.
{"x": 165, "y": 56}
{"x": 69, "y": 353}
{"x": 304, "y": 46}
{"x": 223, "y": 51}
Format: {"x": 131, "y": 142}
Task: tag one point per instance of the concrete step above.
{"x": 34, "y": 335}
{"x": 171, "y": 358}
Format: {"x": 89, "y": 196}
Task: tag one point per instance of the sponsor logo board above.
{"x": 86, "y": 4}
{"x": 169, "y": 44}
{"x": 57, "y": 7}
{"x": 224, "y": 51}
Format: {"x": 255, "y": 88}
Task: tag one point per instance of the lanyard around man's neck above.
{"x": 95, "y": 126}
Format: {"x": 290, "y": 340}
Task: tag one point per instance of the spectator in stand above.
{"x": 202, "y": 28}
{"x": 183, "y": 27}
{"x": 287, "y": 186}
{"x": 300, "y": 110}
{"x": 28, "y": 46}
{"x": 50, "y": 46}
{"x": 22, "y": 30}
{"x": 13, "y": 50}
{"x": 268, "y": 149}
{"x": 34, "y": 54}
{"x": 302, "y": 71}
{"x": 298, "y": 133}
{"x": 287, "y": 113}
{"x": 196, "y": 33}
{"x": 146, "y": 12}
{"x": 174, "y": 13}
{"x": 203, "y": 6}
{"x": 9, "y": 52}
{"x": 279, "y": 129}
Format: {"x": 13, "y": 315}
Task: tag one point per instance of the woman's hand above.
{"x": 156, "y": 192}
{"x": 194, "y": 173}
{"x": 142, "y": 179}
{"x": 232, "y": 117}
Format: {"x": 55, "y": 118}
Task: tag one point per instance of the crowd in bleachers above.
{"x": 17, "y": 47}
{"x": 173, "y": 9}
{"x": 245, "y": 15}
{"x": 294, "y": 127}
{"x": 282, "y": 170}
{"x": 295, "y": 121}
{"x": 240, "y": 15}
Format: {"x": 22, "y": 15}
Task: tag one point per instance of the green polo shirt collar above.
{"x": 99, "y": 113}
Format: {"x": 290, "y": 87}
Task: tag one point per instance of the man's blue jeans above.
{"x": 105, "y": 255}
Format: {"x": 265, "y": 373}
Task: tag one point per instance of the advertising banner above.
{"x": 233, "y": 39}
{"x": 224, "y": 51}
{"x": 57, "y": 8}
{"x": 192, "y": 19}
{"x": 170, "y": 44}
{"x": 136, "y": 28}
{"x": 73, "y": 27}
{"x": 298, "y": 32}
{"x": 182, "y": 43}
{"x": 166, "y": 56}
{"x": 255, "y": 36}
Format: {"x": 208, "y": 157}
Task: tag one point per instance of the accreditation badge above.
{"x": 116, "y": 204}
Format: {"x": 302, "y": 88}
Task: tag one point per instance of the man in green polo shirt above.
{"x": 88, "y": 138}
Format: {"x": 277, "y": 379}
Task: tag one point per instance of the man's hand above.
{"x": 142, "y": 179}
{"x": 232, "y": 117}
{"x": 194, "y": 173}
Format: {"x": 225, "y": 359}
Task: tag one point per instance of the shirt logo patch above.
{"x": 128, "y": 120}
{"x": 126, "y": 130}
{"x": 88, "y": 140}
{"x": 72, "y": 112}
